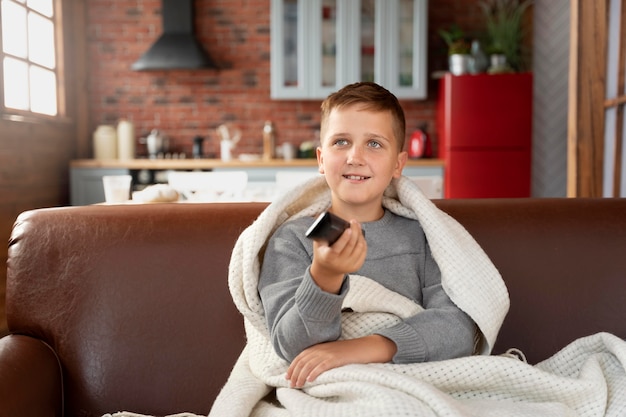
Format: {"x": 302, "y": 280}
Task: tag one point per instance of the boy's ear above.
{"x": 400, "y": 163}
{"x": 320, "y": 160}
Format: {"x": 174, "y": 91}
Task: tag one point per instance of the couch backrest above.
{"x": 564, "y": 264}
{"x": 134, "y": 298}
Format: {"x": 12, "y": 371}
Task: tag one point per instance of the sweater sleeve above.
{"x": 441, "y": 331}
{"x": 299, "y": 314}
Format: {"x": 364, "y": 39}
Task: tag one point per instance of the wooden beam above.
{"x": 76, "y": 72}
{"x": 587, "y": 75}
{"x": 619, "y": 119}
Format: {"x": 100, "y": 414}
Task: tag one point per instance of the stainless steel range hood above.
{"x": 177, "y": 48}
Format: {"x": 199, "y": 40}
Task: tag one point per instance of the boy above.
{"x": 303, "y": 283}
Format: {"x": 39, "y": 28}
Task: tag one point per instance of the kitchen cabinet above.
{"x": 86, "y": 184}
{"x": 485, "y": 134}
{"x": 318, "y": 46}
{"x": 265, "y": 178}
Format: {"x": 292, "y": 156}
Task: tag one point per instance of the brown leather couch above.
{"x": 127, "y": 307}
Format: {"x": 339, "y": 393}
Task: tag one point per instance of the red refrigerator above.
{"x": 484, "y": 125}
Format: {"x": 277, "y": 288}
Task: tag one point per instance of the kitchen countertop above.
{"x": 204, "y": 163}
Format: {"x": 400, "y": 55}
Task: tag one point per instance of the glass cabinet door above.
{"x": 325, "y": 47}
{"x": 318, "y": 46}
{"x": 407, "y": 61}
{"x": 406, "y": 42}
{"x": 287, "y": 49}
{"x": 367, "y": 22}
{"x": 328, "y": 44}
{"x": 290, "y": 42}
{"x": 304, "y": 46}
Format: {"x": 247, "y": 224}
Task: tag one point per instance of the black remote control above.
{"x": 327, "y": 227}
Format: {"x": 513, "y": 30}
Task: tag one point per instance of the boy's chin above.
{"x": 356, "y": 198}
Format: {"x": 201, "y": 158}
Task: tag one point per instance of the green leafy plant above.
{"x": 504, "y": 28}
{"x": 456, "y": 41}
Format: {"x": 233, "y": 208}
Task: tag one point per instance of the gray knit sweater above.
{"x": 300, "y": 314}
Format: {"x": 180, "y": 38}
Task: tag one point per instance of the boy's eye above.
{"x": 374, "y": 144}
{"x": 340, "y": 142}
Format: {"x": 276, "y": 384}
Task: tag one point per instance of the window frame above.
{"x": 19, "y": 115}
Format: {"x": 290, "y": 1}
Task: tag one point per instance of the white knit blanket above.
{"x": 586, "y": 378}
{"x": 468, "y": 276}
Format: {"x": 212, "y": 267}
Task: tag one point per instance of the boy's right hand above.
{"x": 317, "y": 359}
{"x": 332, "y": 263}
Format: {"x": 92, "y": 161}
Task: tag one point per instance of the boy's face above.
{"x": 359, "y": 156}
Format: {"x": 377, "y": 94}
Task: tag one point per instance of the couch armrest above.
{"x": 30, "y": 378}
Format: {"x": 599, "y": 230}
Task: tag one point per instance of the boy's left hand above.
{"x": 312, "y": 362}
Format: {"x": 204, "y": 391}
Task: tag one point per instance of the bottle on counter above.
{"x": 269, "y": 140}
{"x": 105, "y": 142}
{"x": 197, "y": 147}
{"x": 125, "y": 140}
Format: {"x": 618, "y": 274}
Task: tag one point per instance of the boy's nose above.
{"x": 355, "y": 156}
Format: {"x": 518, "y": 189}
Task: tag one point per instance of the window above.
{"x": 29, "y": 57}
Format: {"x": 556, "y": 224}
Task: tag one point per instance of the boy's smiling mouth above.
{"x": 355, "y": 177}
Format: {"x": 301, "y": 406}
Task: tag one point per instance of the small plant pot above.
{"x": 498, "y": 63}
{"x": 459, "y": 63}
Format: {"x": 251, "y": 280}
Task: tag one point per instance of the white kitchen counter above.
{"x": 263, "y": 183}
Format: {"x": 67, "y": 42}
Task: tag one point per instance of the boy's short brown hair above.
{"x": 372, "y": 97}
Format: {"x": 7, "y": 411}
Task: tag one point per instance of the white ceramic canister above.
{"x": 125, "y": 140}
{"x": 105, "y": 142}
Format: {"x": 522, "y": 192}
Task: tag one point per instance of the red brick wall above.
{"x": 236, "y": 34}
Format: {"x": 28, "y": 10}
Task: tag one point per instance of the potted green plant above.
{"x": 458, "y": 49}
{"x": 505, "y": 32}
